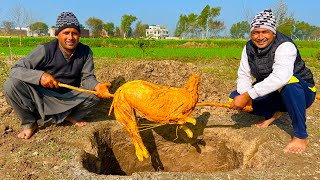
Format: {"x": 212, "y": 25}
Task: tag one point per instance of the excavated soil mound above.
{"x": 166, "y": 73}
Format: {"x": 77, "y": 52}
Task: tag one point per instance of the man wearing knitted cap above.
{"x": 282, "y": 81}
{"x": 32, "y": 88}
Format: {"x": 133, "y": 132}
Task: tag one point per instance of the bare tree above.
{"x": 281, "y": 12}
{"x": 247, "y": 14}
{"x": 1, "y": 14}
{"x": 7, "y": 27}
{"x": 21, "y": 17}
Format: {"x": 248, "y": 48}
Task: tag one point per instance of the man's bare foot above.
{"x": 77, "y": 123}
{"x": 266, "y": 123}
{"x": 27, "y": 133}
{"x": 296, "y": 145}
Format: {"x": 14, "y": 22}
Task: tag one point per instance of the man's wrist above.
{"x": 96, "y": 87}
{"x": 252, "y": 93}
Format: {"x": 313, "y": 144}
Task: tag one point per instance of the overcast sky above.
{"x": 160, "y": 12}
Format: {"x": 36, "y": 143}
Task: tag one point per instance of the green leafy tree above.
{"x": 130, "y": 32}
{"x": 284, "y": 21}
{"x": 181, "y": 26}
{"x": 40, "y": 28}
{"x": 240, "y": 29}
{"x": 315, "y": 34}
{"x": 287, "y": 27}
{"x": 126, "y": 22}
{"x": 109, "y": 27}
{"x": 303, "y": 30}
{"x": 203, "y": 20}
{"x": 215, "y": 26}
{"x": 117, "y": 32}
{"x": 140, "y": 30}
{"x": 207, "y": 22}
{"x": 95, "y": 25}
{"x": 144, "y": 44}
{"x": 192, "y": 25}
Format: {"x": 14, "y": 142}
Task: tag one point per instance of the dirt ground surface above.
{"x": 226, "y": 144}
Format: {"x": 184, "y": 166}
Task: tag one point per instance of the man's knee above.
{"x": 10, "y": 85}
{"x": 16, "y": 89}
{"x": 291, "y": 88}
{"x": 95, "y": 99}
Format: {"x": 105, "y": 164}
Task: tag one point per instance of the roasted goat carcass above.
{"x": 161, "y": 104}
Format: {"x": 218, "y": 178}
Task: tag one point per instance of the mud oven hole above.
{"x": 115, "y": 153}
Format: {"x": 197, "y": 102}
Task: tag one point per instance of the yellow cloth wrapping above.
{"x": 161, "y": 104}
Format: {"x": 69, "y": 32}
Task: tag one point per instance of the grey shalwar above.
{"x": 35, "y": 104}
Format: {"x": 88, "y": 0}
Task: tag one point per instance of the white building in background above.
{"x": 157, "y": 32}
{"x": 24, "y": 31}
{"x": 27, "y": 32}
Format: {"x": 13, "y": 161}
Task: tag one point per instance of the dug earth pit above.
{"x": 210, "y": 150}
{"x": 219, "y": 143}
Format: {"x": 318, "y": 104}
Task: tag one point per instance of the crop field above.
{"x": 155, "y": 49}
{"x": 219, "y": 57}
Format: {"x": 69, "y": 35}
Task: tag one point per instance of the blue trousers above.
{"x": 294, "y": 98}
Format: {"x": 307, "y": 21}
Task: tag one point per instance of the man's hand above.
{"x": 242, "y": 102}
{"x": 48, "y": 81}
{"x": 103, "y": 91}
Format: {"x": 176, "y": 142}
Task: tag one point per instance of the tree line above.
{"x": 204, "y": 25}
{"x": 286, "y": 24}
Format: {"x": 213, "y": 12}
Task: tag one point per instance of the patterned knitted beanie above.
{"x": 66, "y": 20}
{"x": 264, "y": 19}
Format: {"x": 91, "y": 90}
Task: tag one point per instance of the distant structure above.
{"x": 15, "y": 32}
{"x": 32, "y": 34}
{"x": 27, "y": 32}
{"x": 24, "y": 31}
{"x": 157, "y": 32}
{"x": 84, "y": 32}
{"x": 173, "y": 38}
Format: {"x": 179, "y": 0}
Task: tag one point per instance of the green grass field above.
{"x": 155, "y": 49}
{"x": 160, "y": 53}
{"x": 219, "y": 57}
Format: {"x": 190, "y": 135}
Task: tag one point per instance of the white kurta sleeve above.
{"x": 244, "y": 81}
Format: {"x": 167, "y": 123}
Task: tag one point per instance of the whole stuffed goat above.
{"x": 161, "y": 104}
